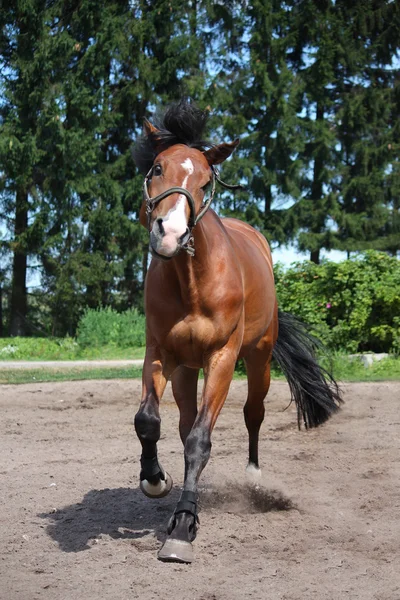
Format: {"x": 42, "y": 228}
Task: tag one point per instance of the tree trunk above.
{"x": 1, "y": 311}
{"x": 19, "y": 304}
{"x": 267, "y": 206}
{"x": 314, "y": 256}
{"x": 317, "y": 191}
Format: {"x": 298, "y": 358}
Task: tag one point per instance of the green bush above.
{"x": 20, "y": 348}
{"x": 103, "y": 327}
{"x": 353, "y": 306}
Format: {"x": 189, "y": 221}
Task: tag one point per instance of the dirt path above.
{"x": 325, "y": 524}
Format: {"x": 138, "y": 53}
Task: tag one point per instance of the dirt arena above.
{"x": 325, "y": 523}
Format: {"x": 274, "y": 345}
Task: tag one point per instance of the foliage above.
{"x": 19, "y": 348}
{"x": 353, "y": 305}
{"x": 107, "y": 326}
{"x": 50, "y": 349}
{"x": 347, "y": 368}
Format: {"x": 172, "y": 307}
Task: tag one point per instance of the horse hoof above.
{"x": 253, "y": 474}
{"x": 158, "y": 490}
{"x": 176, "y": 551}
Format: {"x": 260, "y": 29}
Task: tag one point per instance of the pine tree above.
{"x": 27, "y": 65}
{"x": 128, "y": 58}
{"x": 345, "y": 50}
{"x": 317, "y": 55}
{"x": 368, "y": 127}
{"x": 258, "y": 96}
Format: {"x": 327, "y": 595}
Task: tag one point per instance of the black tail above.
{"x": 314, "y": 390}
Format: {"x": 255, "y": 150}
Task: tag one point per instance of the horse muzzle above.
{"x": 166, "y": 243}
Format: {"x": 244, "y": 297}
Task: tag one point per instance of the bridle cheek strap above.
{"x": 151, "y": 203}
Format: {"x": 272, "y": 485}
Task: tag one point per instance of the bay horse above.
{"x": 209, "y": 301}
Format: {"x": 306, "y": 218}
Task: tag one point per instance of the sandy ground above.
{"x": 325, "y": 523}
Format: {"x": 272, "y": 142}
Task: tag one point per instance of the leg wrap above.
{"x": 187, "y": 504}
{"x": 150, "y": 468}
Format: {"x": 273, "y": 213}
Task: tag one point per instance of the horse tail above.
{"x": 313, "y": 388}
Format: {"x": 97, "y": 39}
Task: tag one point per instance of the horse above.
{"x": 209, "y": 301}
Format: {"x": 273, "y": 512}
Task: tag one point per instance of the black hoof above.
{"x": 159, "y": 490}
{"x": 176, "y": 551}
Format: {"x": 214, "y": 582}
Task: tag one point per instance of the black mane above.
{"x": 182, "y": 123}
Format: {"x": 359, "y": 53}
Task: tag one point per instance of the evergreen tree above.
{"x": 128, "y": 57}
{"x": 367, "y": 129}
{"x": 317, "y": 55}
{"x": 26, "y": 75}
{"x": 258, "y": 99}
{"x": 348, "y": 102}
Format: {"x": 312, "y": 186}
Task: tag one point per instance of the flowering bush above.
{"x": 8, "y": 350}
{"x": 352, "y": 306}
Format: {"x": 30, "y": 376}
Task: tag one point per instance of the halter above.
{"x": 151, "y": 203}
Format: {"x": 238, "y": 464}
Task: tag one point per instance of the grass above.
{"x": 18, "y": 376}
{"x": 347, "y": 368}
{"x": 20, "y": 348}
{"x": 344, "y": 368}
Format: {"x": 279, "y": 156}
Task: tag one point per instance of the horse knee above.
{"x": 147, "y": 426}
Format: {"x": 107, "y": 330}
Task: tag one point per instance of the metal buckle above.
{"x": 189, "y": 246}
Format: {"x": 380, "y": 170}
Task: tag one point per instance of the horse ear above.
{"x": 217, "y": 154}
{"x": 149, "y": 128}
{"x": 154, "y": 135}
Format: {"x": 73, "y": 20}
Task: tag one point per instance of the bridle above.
{"x": 151, "y": 203}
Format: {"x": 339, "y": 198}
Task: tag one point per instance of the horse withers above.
{"x": 209, "y": 300}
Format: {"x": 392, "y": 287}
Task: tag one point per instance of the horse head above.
{"x": 178, "y": 188}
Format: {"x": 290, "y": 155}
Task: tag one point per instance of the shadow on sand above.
{"x": 119, "y": 513}
{"x": 126, "y": 513}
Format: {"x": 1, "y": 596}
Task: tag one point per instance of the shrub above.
{"x": 35, "y": 348}
{"x": 106, "y": 326}
{"x": 352, "y": 306}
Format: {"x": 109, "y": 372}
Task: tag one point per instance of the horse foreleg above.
{"x": 182, "y": 527}
{"x": 154, "y": 481}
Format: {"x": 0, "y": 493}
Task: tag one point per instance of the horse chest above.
{"x": 190, "y": 330}
{"x": 189, "y": 338}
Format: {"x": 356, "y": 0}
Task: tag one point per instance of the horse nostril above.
{"x": 160, "y": 226}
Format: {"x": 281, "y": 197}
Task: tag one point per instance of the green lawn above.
{"x": 344, "y": 369}
{"x": 62, "y": 349}
{"x": 16, "y": 376}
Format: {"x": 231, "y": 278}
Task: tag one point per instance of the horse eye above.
{"x": 206, "y": 186}
{"x": 157, "y": 171}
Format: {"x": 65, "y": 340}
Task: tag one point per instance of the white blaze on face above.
{"x": 174, "y": 222}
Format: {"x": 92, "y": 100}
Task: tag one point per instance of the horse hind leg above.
{"x": 258, "y": 367}
{"x": 184, "y": 387}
